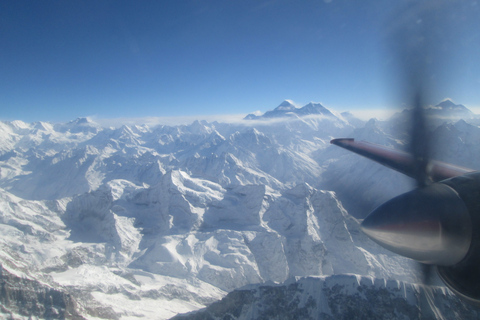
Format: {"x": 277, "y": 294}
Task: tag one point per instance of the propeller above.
{"x": 436, "y": 223}
{"x": 412, "y": 36}
{"x": 416, "y": 67}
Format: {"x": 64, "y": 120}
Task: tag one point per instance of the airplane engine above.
{"x": 434, "y": 225}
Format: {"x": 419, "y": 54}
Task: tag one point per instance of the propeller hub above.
{"x": 430, "y": 224}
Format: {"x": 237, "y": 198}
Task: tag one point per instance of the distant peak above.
{"x": 311, "y": 103}
{"x": 42, "y": 125}
{"x": 448, "y": 107}
{"x": 447, "y": 103}
{"x": 79, "y": 125}
{"x": 315, "y": 108}
{"x": 288, "y": 109}
{"x": 251, "y": 116}
{"x": 372, "y": 123}
{"x": 286, "y": 105}
{"x": 200, "y": 127}
{"x": 314, "y": 105}
{"x": 83, "y": 120}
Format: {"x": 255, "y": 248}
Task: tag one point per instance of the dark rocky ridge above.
{"x": 338, "y": 297}
{"x": 31, "y": 298}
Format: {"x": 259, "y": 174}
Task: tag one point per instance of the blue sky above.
{"x": 120, "y": 59}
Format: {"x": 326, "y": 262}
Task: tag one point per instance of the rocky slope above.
{"x": 337, "y": 297}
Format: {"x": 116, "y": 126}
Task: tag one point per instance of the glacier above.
{"x": 141, "y": 221}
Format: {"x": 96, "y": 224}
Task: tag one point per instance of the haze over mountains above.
{"x": 139, "y": 221}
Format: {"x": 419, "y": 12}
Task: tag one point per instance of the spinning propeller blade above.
{"x": 437, "y": 223}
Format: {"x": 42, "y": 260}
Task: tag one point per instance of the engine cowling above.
{"x": 434, "y": 225}
{"x": 464, "y": 277}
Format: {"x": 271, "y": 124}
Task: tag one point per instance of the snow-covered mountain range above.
{"x": 149, "y": 222}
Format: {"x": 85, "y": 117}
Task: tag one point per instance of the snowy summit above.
{"x": 288, "y": 109}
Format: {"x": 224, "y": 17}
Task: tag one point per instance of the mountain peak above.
{"x": 288, "y": 109}
{"x": 448, "y": 109}
{"x": 315, "y": 108}
{"x": 82, "y": 120}
{"x": 79, "y": 125}
{"x": 447, "y": 103}
{"x": 286, "y": 105}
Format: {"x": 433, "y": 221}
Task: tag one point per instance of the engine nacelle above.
{"x": 434, "y": 225}
{"x": 464, "y": 277}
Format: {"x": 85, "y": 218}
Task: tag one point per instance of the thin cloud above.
{"x": 474, "y": 109}
{"x": 364, "y": 114}
{"x": 172, "y": 121}
{"x": 380, "y": 114}
{"x": 186, "y": 120}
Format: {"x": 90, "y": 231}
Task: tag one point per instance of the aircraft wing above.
{"x": 399, "y": 160}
